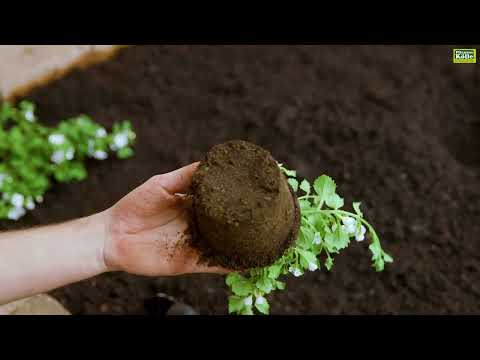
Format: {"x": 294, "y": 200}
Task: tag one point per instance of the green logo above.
{"x": 464, "y": 56}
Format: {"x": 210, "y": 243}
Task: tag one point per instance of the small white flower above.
{"x": 260, "y": 300}
{"x": 120, "y": 140}
{"x": 295, "y": 271}
{"x": 29, "y": 116}
{"x": 248, "y": 301}
{"x": 30, "y": 205}
{"x": 349, "y": 225}
{"x": 361, "y": 235}
{"x": 100, "y": 155}
{"x": 58, "y": 157}
{"x": 17, "y": 200}
{"x": 100, "y": 133}
{"x": 16, "y": 213}
{"x": 347, "y": 220}
{"x": 317, "y": 239}
{"x": 312, "y": 266}
{"x": 70, "y": 153}
{"x": 39, "y": 199}
{"x": 56, "y": 139}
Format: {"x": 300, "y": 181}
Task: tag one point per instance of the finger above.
{"x": 178, "y": 180}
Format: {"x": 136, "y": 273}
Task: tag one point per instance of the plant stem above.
{"x": 375, "y": 238}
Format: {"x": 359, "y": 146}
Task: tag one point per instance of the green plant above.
{"x": 32, "y": 154}
{"x": 325, "y": 230}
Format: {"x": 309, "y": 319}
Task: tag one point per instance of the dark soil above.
{"x": 245, "y": 212}
{"x": 397, "y": 127}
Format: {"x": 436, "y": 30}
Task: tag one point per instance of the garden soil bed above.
{"x": 397, "y": 127}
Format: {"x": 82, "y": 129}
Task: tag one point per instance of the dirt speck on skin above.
{"x": 244, "y": 212}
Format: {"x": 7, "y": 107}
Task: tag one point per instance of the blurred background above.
{"x": 397, "y": 127}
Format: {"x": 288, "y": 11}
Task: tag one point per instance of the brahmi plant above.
{"x": 32, "y": 154}
{"x": 325, "y": 230}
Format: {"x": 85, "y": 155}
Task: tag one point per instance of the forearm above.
{"x": 39, "y": 260}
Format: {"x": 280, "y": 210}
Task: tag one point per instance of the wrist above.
{"x": 97, "y": 228}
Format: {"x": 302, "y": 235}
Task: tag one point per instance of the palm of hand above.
{"x": 148, "y": 229}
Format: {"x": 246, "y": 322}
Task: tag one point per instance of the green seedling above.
{"x": 325, "y": 230}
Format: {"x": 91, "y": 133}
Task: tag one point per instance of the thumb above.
{"x": 178, "y": 180}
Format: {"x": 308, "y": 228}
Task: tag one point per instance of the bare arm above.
{"x": 39, "y": 260}
{"x": 145, "y": 233}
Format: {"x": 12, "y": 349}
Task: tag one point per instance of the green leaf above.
{"x": 264, "y": 307}
{"x": 356, "y": 207}
{"x": 379, "y": 264}
{"x": 375, "y": 250}
{"x": 387, "y": 258}
{"x": 125, "y": 153}
{"x": 308, "y": 256}
{"x": 305, "y": 237}
{"x": 280, "y": 285}
{"x": 233, "y": 278}
{"x": 324, "y": 187}
{"x": 274, "y": 271}
{"x": 235, "y": 304}
{"x": 304, "y": 204}
{"x": 334, "y": 201}
{"x": 305, "y": 186}
{"x": 329, "y": 263}
{"x": 336, "y": 240}
{"x": 265, "y": 285}
{"x": 294, "y": 184}
{"x": 6, "y": 112}
{"x": 246, "y": 311}
{"x": 242, "y": 287}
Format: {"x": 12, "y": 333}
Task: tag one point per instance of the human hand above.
{"x": 147, "y": 230}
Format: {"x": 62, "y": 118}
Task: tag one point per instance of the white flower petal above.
{"x": 360, "y": 237}
{"x": 70, "y": 153}
{"x": 260, "y": 300}
{"x": 56, "y": 139}
{"x": 29, "y": 116}
{"x": 248, "y": 301}
{"x": 16, "y": 213}
{"x": 39, "y": 199}
{"x": 30, "y": 205}
{"x": 297, "y": 272}
{"x": 120, "y": 140}
{"x": 348, "y": 221}
{"x": 17, "y": 200}
{"x": 58, "y": 157}
{"x": 317, "y": 239}
{"x": 100, "y": 155}
{"x": 352, "y": 228}
{"x": 100, "y": 133}
{"x": 312, "y": 266}
{"x": 363, "y": 230}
